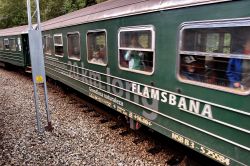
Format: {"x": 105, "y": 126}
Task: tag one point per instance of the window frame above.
{"x": 19, "y": 44}
{"x": 49, "y": 36}
{"x": 71, "y": 33}
{"x": 6, "y": 39}
{"x": 136, "y": 29}
{"x": 225, "y": 23}
{"x": 106, "y": 42}
{"x": 58, "y": 34}
{"x": 14, "y": 39}
{"x": 1, "y": 39}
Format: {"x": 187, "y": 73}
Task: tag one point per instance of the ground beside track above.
{"x": 80, "y": 136}
{"x": 77, "y": 138}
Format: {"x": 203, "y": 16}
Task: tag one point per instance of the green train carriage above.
{"x": 14, "y": 47}
{"x": 205, "y": 114}
{"x": 90, "y": 50}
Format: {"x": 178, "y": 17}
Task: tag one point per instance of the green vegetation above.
{"x": 13, "y": 13}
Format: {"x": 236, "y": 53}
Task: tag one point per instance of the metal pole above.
{"x": 49, "y": 127}
{"x": 35, "y": 88}
{"x": 38, "y": 14}
{"x": 37, "y": 61}
{"x": 37, "y": 110}
{"x": 29, "y": 14}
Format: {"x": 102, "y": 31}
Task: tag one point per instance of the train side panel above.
{"x": 11, "y": 50}
{"x": 212, "y": 122}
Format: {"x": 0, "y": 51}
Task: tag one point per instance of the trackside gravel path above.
{"x": 78, "y": 137}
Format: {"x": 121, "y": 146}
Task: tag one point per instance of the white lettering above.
{"x": 194, "y": 106}
{"x": 207, "y": 111}
{"x": 134, "y": 87}
{"x": 145, "y": 92}
{"x": 155, "y": 94}
{"x": 182, "y": 103}
{"x": 164, "y": 97}
{"x": 172, "y": 99}
{"x": 139, "y": 89}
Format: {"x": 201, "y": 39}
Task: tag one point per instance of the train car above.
{"x": 14, "y": 47}
{"x": 178, "y": 67}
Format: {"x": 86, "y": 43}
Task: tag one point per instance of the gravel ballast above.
{"x": 77, "y": 139}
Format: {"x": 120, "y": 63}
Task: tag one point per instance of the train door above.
{"x": 26, "y": 51}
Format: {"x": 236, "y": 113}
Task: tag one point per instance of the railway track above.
{"x": 85, "y": 132}
{"x": 179, "y": 155}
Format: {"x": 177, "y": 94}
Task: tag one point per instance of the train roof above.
{"x": 108, "y": 10}
{"x": 14, "y": 31}
{"x": 119, "y": 8}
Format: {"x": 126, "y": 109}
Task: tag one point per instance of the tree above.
{"x": 51, "y": 9}
{"x": 90, "y": 2}
{"x": 72, "y": 5}
{"x": 14, "y": 13}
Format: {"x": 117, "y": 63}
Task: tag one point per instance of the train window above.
{"x": 74, "y": 45}
{"x": 97, "y": 47}
{"x": 58, "y": 45}
{"x": 216, "y": 57}
{"x": 12, "y": 43}
{"x": 136, "y": 49}
{"x": 6, "y": 44}
{"x": 47, "y": 44}
{"x": 19, "y": 44}
{"x": 1, "y": 44}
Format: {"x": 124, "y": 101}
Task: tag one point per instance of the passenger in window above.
{"x": 134, "y": 58}
{"x": 76, "y": 51}
{"x": 190, "y": 70}
{"x": 215, "y": 70}
{"x": 97, "y": 56}
{"x": 102, "y": 52}
{"x": 238, "y": 70}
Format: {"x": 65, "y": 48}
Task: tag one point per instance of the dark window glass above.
{"x": 59, "y": 51}
{"x": 143, "y": 37}
{"x": 58, "y": 40}
{"x": 58, "y": 45}
{"x": 136, "y": 50}
{"x": 6, "y": 44}
{"x": 12, "y": 44}
{"x": 74, "y": 46}
{"x": 218, "y": 56}
{"x": 96, "y": 43}
{"x": 1, "y": 44}
{"x": 47, "y": 44}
